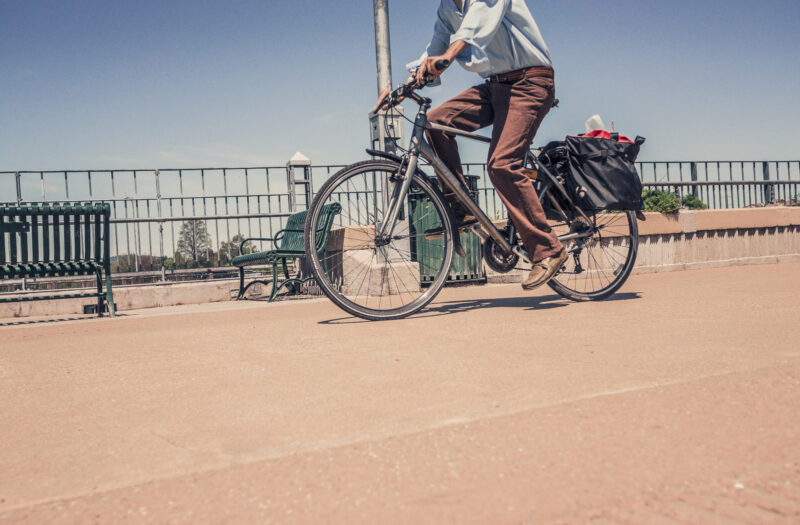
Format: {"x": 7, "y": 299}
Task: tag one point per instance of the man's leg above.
{"x": 470, "y": 111}
{"x": 518, "y": 110}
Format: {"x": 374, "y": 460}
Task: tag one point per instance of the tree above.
{"x": 194, "y": 242}
{"x": 229, "y": 250}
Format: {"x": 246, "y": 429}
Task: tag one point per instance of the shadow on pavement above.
{"x": 53, "y": 320}
{"x": 544, "y": 302}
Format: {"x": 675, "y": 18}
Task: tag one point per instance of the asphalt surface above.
{"x": 677, "y": 402}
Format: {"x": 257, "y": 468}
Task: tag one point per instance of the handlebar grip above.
{"x": 442, "y": 64}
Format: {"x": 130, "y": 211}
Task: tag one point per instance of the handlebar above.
{"x": 407, "y": 90}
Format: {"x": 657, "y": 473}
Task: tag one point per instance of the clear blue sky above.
{"x": 190, "y": 83}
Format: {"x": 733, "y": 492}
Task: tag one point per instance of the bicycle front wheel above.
{"x": 379, "y": 278}
{"x": 600, "y": 262}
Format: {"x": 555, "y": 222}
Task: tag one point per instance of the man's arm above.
{"x": 440, "y": 41}
{"x": 481, "y": 22}
{"x": 479, "y": 26}
{"x": 438, "y": 45}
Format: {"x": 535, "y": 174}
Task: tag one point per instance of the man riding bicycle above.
{"x": 500, "y": 40}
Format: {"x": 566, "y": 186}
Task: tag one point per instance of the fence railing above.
{"x": 151, "y": 206}
{"x": 727, "y": 184}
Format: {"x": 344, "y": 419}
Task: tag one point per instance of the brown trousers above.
{"x": 515, "y": 110}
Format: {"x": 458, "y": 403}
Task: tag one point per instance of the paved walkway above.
{"x": 677, "y": 402}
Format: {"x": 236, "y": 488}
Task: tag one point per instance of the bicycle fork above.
{"x": 400, "y": 188}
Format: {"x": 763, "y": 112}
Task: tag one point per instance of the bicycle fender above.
{"x": 398, "y": 159}
{"x": 384, "y": 155}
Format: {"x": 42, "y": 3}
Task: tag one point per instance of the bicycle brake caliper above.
{"x": 400, "y": 175}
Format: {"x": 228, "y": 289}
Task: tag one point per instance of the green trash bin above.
{"x": 427, "y": 252}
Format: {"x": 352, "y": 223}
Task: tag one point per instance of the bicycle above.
{"x": 388, "y": 204}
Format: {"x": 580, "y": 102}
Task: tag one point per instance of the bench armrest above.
{"x": 273, "y": 240}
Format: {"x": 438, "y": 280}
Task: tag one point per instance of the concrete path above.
{"x": 676, "y": 403}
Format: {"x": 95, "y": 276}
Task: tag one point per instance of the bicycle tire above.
{"x": 601, "y": 260}
{"x": 333, "y": 281}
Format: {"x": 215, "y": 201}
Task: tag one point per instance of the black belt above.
{"x": 518, "y": 74}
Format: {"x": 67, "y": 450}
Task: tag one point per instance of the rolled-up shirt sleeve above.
{"x": 442, "y": 30}
{"x": 481, "y": 22}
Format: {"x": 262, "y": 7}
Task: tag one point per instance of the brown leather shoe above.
{"x": 544, "y": 270}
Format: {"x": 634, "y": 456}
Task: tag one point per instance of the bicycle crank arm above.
{"x": 520, "y": 251}
{"x": 478, "y": 230}
{"x": 487, "y": 226}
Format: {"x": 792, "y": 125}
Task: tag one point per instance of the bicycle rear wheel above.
{"x": 601, "y": 262}
{"x": 370, "y": 277}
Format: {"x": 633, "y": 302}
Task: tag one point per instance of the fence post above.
{"x": 298, "y": 160}
{"x": 290, "y": 186}
{"x": 160, "y": 225}
{"x": 769, "y": 195}
{"x": 694, "y": 177}
{"x": 18, "y": 181}
{"x": 19, "y": 187}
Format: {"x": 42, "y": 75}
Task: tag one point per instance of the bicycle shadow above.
{"x": 438, "y": 309}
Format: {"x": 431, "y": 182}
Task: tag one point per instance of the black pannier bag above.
{"x": 554, "y": 157}
{"x": 601, "y": 174}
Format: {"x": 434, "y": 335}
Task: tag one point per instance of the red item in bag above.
{"x": 603, "y": 134}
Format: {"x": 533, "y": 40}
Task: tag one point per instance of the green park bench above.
{"x": 289, "y": 244}
{"x": 56, "y": 240}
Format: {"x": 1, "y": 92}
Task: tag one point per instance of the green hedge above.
{"x": 693, "y": 202}
{"x": 666, "y": 202}
{"x": 660, "y": 201}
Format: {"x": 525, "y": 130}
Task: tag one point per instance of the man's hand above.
{"x": 381, "y": 105}
{"x": 382, "y": 102}
{"x": 428, "y": 68}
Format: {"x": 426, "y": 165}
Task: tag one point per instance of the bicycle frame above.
{"x": 485, "y": 228}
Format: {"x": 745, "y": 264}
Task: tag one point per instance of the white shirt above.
{"x": 501, "y": 35}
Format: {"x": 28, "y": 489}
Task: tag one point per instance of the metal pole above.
{"x": 160, "y": 226}
{"x": 290, "y": 183}
{"x": 382, "y": 47}
{"x": 19, "y": 187}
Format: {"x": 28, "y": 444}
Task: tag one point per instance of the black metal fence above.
{"x": 149, "y": 206}
{"x": 723, "y": 185}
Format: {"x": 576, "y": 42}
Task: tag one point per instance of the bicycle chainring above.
{"x": 496, "y": 259}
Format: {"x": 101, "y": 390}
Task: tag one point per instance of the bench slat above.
{"x": 76, "y": 221}
{"x": 56, "y": 237}
{"x": 23, "y": 241}
{"x": 2, "y": 238}
{"x": 45, "y": 237}
{"x": 98, "y": 252}
{"x": 67, "y": 238}
{"x": 35, "y": 236}
{"x": 87, "y": 238}
{"x": 12, "y": 244}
